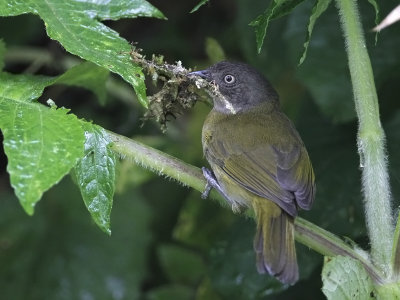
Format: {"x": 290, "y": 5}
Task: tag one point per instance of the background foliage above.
{"x": 166, "y": 242}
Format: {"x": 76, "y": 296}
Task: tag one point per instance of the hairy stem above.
{"x": 307, "y": 233}
{"x": 371, "y": 139}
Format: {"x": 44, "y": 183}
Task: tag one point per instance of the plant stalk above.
{"x": 370, "y": 140}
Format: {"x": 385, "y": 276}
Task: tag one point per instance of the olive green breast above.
{"x": 242, "y": 132}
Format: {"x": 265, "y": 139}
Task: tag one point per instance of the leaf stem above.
{"x": 371, "y": 139}
{"x": 307, "y": 233}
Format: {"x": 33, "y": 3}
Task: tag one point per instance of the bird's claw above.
{"x": 211, "y": 182}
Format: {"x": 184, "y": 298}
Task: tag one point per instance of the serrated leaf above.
{"x": 276, "y": 9}
{"x": 41, "y": 144}
{"x": 23, "y": 87}
{"x": 95, "y": 174}
{"x": 200, "y": 4}
{"x": 76, "y": 25}
{"x": 319, "y": 8}
{"x": 345, "y": 278}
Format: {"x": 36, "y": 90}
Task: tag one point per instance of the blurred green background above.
{"x": 168, "y": 243}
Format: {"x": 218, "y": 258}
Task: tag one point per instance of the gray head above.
{"x": 241, "y": 86}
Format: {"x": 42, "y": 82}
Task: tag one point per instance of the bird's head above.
{"x": 240, "y": 86}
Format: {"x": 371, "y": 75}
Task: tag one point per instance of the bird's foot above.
{"x": 212, "y": 182}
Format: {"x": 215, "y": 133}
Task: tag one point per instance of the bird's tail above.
{"x": 274, "y": 242}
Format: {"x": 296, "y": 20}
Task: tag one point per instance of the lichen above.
{"x": 178, "y": 93}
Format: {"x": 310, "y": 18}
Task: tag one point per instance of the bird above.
{"x": 258, "y": 161}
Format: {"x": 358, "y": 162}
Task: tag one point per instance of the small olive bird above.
{"x": 258, "y": 160}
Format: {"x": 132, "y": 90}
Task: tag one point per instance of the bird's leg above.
{"x": 212, "y": 182}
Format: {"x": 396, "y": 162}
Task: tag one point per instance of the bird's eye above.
{"x": 229, "y": 79}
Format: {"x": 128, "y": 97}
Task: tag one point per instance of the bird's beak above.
{"x": 205, "y": 74}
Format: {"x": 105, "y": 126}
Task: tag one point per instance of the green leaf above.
{"x": 319, "y": 7}
{"x": 200, "y": 4}
{"x": 276, "y": 9}
{"x": 389, "y": 290}
{"x": 325, "y": 72}
{"x": 41, "y": 144}
{"x": 181, "y": 265}
{"x": 29, "y": 87}
{"x": 376, "y": 7}
{"x": 87, "y": 75}
{"x": 76, "y": 25}
{"x": 345, "y": 278}
{"x": 95, "y": 174}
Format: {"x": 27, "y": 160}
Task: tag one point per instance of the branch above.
{"x": 161, "y": 163}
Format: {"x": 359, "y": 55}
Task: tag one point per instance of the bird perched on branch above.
{"x": 258, "y": 161}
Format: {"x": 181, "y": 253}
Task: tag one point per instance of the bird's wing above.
{"x": 295, "y": 174}
{"x": 284, "y": 177}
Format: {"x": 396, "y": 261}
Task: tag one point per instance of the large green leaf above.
{"x": 42, "y": 144}
{"x": 76, "y": 25}
{"x": 95, "y": 174}
{"x": 346, "y": 278}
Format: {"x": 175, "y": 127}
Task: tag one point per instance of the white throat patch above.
{"x": 217, "y": 94}
{"x": 229, "y": 106}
